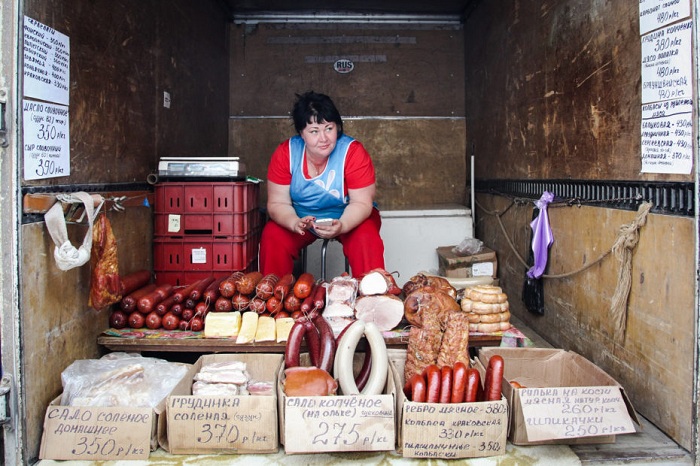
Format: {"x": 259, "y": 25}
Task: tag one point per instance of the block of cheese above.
{"x": 266, "y": 329}
{"x": 284, "y": 325}
{"x": 222, "y": 324}
{"x": 249, "y": 325}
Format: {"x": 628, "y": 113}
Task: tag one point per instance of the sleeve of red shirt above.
{"x": 359, "y": 169}
{"x": 278, "y": 170}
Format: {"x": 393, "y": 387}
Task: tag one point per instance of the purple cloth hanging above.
{"x": 542, "y": 237}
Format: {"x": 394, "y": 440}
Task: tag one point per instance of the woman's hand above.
{"x": 328, "y": 230}
{"x": 304, "y": 224}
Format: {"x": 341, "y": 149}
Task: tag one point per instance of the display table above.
{"x": 130, "y": 340}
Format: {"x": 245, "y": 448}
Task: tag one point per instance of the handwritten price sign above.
{"x": 46, "y": 140}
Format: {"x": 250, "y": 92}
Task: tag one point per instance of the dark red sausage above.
{"x": 432, "y": 380}
{"x": 129, "y": 302}
{"x": 319, "y": 296}
{"x": 177, "y": 309}
{"x": 459, "y": 382}
{"x": 293, "y": 346}
{"x": 211, "y": 294}
{"x": 363, "y": 376}
{"x": 148, "y": 302}
{"x": 416, "y": 389}
{"x": 164, "y": 306}
{"x": 240, "y": 302}
{"x": 284, "y": 285}
{"x": 257, "y": 305}
{"x": 273, "y": 305}
{"x": 291, "y": 303}
{"x": 328, "y": 345}
{"x": 266, "y": 286}
{"x": 308, "y": 303}
{"x": 313, "y": 342}
{"x": 473, "y": 387}
{"x": 228, "y": 286}
{"x": 198, "y": 291}
{"x": 494, "y": 379}
{"x": 183, "y": 293}
{"x": 445, "y": 384}
{"x": 303, "y": 285}
{"x": 223, "y": 305}
{"x": 133, "y": 281}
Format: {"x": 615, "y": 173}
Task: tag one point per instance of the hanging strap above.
{"x": 66, "y": 255}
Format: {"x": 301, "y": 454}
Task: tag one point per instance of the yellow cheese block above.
{"x": 284, "y": 325}
{"x": 222, "y": 324}
{"x": 266, "y": 329}
{"x": 249, "y": 325}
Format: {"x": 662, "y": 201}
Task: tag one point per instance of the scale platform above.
{"x": 201, "y": 167}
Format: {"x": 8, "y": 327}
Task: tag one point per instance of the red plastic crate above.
{"x": 206, "y": 224}
{"x": 225, "y": 197}
{"x": 205, "y": 254}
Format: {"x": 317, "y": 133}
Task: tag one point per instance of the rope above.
{"x": 625, "y": 243}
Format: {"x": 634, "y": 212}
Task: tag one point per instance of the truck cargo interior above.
{"x": 473, "y": 111}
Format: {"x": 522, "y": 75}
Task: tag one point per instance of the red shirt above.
{"x": 358, "y": 172}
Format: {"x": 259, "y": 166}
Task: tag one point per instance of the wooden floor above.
{"x": 649, "y": 446}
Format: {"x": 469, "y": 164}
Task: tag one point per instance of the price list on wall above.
{"x": 667, "y": 86}
{"x": 46, "y": 65}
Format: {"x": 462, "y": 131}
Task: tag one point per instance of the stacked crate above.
{"x": 204, "y": 229}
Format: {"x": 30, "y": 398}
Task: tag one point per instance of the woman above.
{"x": 320, "y": 184}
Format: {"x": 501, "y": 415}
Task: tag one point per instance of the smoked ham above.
{"x": 385, "y": 311}
{"x": 106, "y": 287}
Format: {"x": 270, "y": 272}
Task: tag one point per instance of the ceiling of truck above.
{"x": 370, "y": 7}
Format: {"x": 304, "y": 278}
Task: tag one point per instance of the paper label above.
{"x": 173, "y": 223}
{"x": 482, "y": 269}
{"x": 199, "y": 256}
{"x": 571, "y": 412}
{"x": 80, "y": 433}
{"x": 339, "y": 423}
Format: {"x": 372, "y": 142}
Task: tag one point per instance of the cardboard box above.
{"x": 566, "y": 400}
{"x": 95, "y": 433}
{"x": 453, "y": 430}
{"x": 226, "y": 424}
{"x": 314, "y": 424}
{"x": 484, "y": 263}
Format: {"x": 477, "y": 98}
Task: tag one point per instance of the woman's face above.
{"x": 320, "y": 138}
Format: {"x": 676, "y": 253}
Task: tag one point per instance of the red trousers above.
{"x": 362, "y": 246}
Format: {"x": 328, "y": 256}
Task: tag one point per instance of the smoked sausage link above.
{"x": 459, "y": 382}
{"x": 494, "y": 379}
{"x": 304, "y": 285}
{"x": 432, "y": 378}
{"x": 471, "y": 393}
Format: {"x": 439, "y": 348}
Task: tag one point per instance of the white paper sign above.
{"x": 656, "y": 13}
{"x": 571, "y": 412}
{"x": 174, "y": 223}
{"x": 667, "y": 136}
{"x": 667, "y": 63}
{"x": 46, "y": 63}
{"x": 46, "y": 140}
{"x": 199, "y": 256}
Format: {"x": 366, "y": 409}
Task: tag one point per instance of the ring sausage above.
{"x": 313, "y": 342}
{"x": 328, "y": 346}
{"x": 293, "y": 347}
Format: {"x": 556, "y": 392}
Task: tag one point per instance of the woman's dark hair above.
{"x": 312, "y": 107}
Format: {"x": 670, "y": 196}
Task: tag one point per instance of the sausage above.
{"x": 291, "y": 303}
{"x": 313, "y": 342}
{"x": 133, "y": 281}
{"x": 416, "y": 389}
{"x": 471, "y": 393}
{"x": 184, "y": 293}
{"x": 164, "y": 306}
{"x": 229, "y": 285}
{"x": 198, "y": 291}
{"x": 327, "y": 355}
{"x": 494, "y": 378}
{"x": 266, "y": 286}
{"x": 257, "y": 305}
{"x": 177, "y": 309}
{"x": 201, "y": 308}
{"x": 380, "y": 361}
{"x": 223, "y": 305}
{"x": 246, "y": 285}
{"x": 445, "y": 384}
{"x": 129, "y": 302}
{"x": 239, "y": 301}
{"x": 459, "y": 382}
{"x": 293, "y": 346}
{"x": 189, "y": 303}
{"x": 304, "y": 285}
{"x": 319, "y": 295}
{"x": 211, "y": 294}
{"x": 273, "y": 305}
{"x": 343, "y": 367}
{"x": 147, "y": 303}
{"x": 281, "y": 314}
{"x": 363, "y": 376}
{"x": 432, "y": 379}
{"x": 283, "y": 286}
{"x": 308, "y": 303}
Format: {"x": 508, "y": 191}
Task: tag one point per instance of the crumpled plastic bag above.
{"x": 468, "y": 247}
{"x": 120, "y": 379}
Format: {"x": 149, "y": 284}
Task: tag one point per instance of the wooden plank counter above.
{"x": 225, "y": 345}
